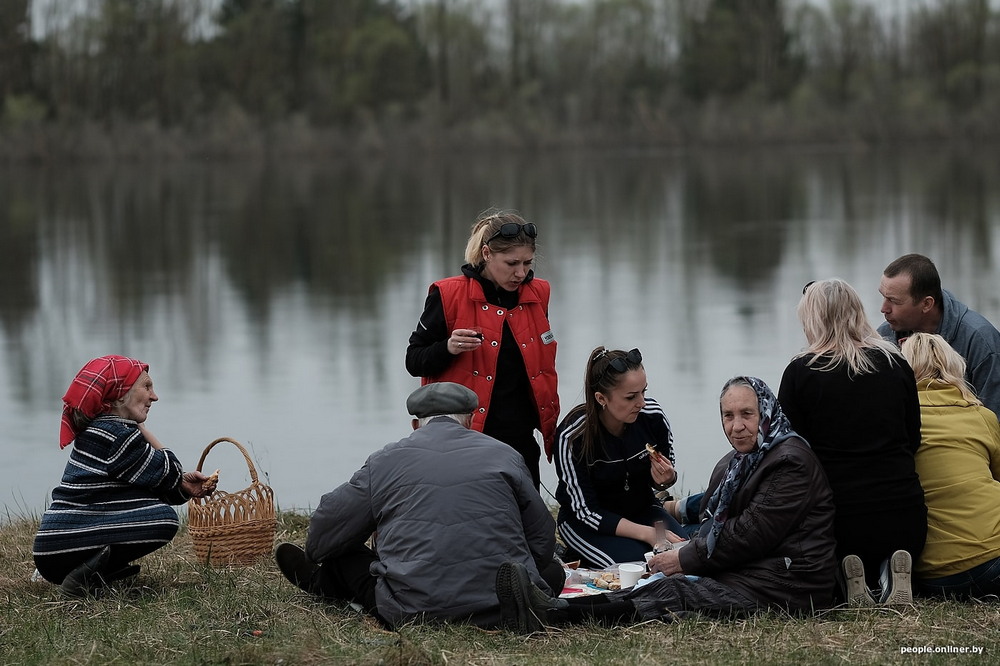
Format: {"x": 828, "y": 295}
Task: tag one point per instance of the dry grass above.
{"x": 180, "y": 612}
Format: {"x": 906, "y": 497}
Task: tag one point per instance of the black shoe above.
{"x": 523, "y": 607}
{"x": 85, "y": 580}
{"x": 295, "y": 566}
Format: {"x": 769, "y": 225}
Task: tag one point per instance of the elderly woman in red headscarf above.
{"x": 113, "y": 504}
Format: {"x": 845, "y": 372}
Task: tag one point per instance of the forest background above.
{"x": 132, "y": 79}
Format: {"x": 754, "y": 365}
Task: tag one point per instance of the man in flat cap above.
{"x": 446, "y": 505}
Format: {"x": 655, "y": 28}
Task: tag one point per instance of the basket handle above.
{"x": 246, "y": 456}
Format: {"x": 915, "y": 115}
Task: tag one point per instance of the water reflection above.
{"x": 273, "y": 301}
{"x": 740, "y": 209}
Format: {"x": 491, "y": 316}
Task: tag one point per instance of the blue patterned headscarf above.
{"x": 773, "y": 429}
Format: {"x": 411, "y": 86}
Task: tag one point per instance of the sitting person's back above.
{"x": 853, "y": 397}
{"x": 959, "y": 466}
{"x": 447, "y": 505}
{"x": 114, "y": 503}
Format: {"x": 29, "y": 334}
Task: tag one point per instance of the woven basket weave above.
{"x": 233, "y": 528}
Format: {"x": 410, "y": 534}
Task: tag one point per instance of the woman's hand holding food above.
{"x": 661, "y": 468}
{"x": 197, "y": 484}
{"x": 464, "y": 340}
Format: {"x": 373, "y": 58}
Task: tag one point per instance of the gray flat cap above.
{"x": 441, "y": 398}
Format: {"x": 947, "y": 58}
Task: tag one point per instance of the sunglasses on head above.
{"x": 808, "y": 284}
{"x": 621, "y": 364}
{"x": 513, "y": 229}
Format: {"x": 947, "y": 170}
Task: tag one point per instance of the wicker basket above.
{"x": 233, "y": 528}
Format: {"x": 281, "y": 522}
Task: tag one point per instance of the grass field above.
{"x": 180, "y": 612}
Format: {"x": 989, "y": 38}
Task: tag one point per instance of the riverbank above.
{"x": 237, "y": 135}
{"x": 179, "y": 612}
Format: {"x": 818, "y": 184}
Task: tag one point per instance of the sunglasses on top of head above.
{"x": 513, "y": 229}
{"x": 621, "y": 364}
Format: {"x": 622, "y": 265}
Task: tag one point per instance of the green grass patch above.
{"x": 178, "y": 611}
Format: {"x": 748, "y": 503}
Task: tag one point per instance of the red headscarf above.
{"x": 97, "y": 385}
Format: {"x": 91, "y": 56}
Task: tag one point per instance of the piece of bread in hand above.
{"x": 209, "y": 484}
{"x": 652, "y": 450}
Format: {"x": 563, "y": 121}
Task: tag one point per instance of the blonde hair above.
{"x": 485, "y": 227}
{"x": 837, "y": 330}
{"x": 931, "y": 357}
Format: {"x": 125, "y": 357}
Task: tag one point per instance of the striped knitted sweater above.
{"x": 116, "y": 489}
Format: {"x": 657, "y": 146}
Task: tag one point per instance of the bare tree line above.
{"x": 521, "y": 72}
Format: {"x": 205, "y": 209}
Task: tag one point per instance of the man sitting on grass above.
{"x": 448, "y": 505}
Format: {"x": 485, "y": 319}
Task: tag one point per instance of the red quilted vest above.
{"x": 465, "y": 306}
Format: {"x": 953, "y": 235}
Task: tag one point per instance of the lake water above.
{"x": 274, "y": 302}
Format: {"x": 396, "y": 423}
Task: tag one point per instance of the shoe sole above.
{"x": 900, "y": 589}
{"x": 854, "y": 577}
{"x": 506, "y": 596}
{"x": 290, "y": 560}
{"x": 512, "y": 592}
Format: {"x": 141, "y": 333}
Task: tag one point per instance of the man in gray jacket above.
{"x": 914, "y": 302}
{"x": 444, "y": 508}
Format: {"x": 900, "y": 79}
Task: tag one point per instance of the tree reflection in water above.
{"x": 273, "y": 301}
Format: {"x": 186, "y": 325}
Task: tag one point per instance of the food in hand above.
{"x": 209, "y": 484}
{"x": 653, "y": 453}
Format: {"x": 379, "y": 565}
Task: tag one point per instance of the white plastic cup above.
{"x": 629, "y": 574}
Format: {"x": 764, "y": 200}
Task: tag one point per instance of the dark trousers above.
{"x": 978, "y": 582}
{"x": 596, "y": 550}
{"x": 876, "y": 537}
{"x": 54, "y": 568}
{"x": 347, "y": 577}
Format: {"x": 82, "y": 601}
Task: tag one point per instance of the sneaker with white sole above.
{"x": 854, "y": 581}
{"x": 894, "y": 578}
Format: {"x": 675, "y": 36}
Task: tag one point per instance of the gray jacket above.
{"x": 976, "y": 339}
{"x": 449, "y": 505}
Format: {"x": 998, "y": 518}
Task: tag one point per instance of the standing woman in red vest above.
{"x": 488, "y": 329}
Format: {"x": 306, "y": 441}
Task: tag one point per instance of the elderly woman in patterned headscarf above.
{"x": 112, "y": 505}
{"x": 767, "y": 540}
